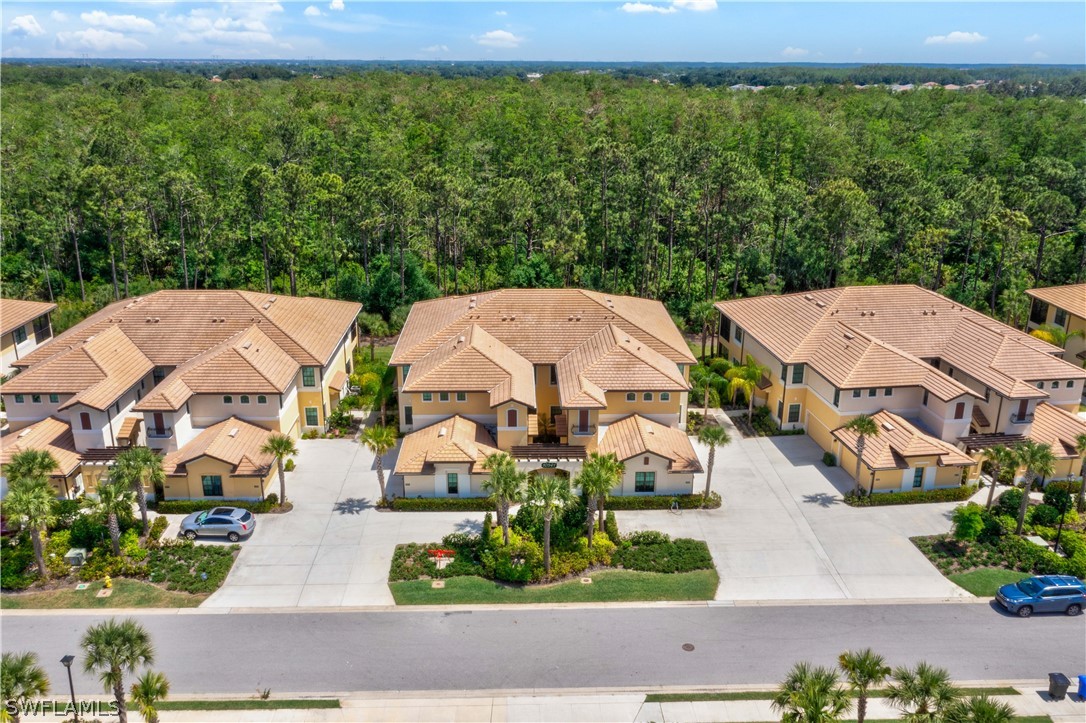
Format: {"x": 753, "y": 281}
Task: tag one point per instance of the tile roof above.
{"x": 1071, "y": 298}
{"x": 338, "y": 381}
{"x": 16, "y": 312}
{"x": 895, "y": 327}
{"x": 897, "y": 441}
{"x": 635, "y": 435}
{"x": 232, "y": 441}
{"x": 456, "y": 439}
{"x": 1057, "y": 427}
{"x": 51, "y": 435}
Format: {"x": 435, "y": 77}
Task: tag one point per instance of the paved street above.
{"x": 536, "y": 649}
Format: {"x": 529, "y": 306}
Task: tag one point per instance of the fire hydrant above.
{"x": 107, "y": 583}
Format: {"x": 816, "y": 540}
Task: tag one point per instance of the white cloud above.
{"x": 235, "y": 24}
{"x": 957, "y": 37}
{"x": 97, "y": 40}
{"x": 58, "y": 16}
{"x": 791, "y": 52}
{"x": 26, "y": 26}
{"x": 312, "y": 11}
{"x": 498, "y": 39}
{"x": 335, "y": 5}
{"x": 1039, "y": 55}
{"x": 641, "y": 8}
{"x": 436, "y": 49}
{"x": 500, "y": 13}
{"x": 1033, "y": 38}
{"x": 120, "y": 23}
{"x": 696, "y": 5}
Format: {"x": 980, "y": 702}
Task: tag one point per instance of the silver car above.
{"x": 233, "y": 523}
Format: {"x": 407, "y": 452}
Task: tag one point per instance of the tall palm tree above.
{"x": 811, "y": 695}
{"x": 923, "y": 693}
{"x": 550, "y": 494}
{"x": 149, "y": 689}
{"x": 21, "y": 679}
{"x": 713, "y": 436}
{"x": 115, "y": 498}
{"x": 1000, "y": 457}
{"x": 1080, "y": 447}
{"x": 505, "y": 485}
{"x": 978, "y": 709}
{"x": 111, "y": 649}
{"x": 31, "y": 501}
{"x": 1039, "y": 462}
{"x": 864, "y": 426}
{"x": 863, "y": 670}
{"x": 705, "y": 378}
{"x": 1054, "y": 334}
{"x": 703, "y": 314}
{"x": 745, "y": 378}
{"x": 139, "y": 467}
{"x": 611, "y": 469}
{"x": 280, "y": 446}
{"x": 379, "y": 439}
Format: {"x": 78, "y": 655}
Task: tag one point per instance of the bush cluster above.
{"x": 829, "y": 459}
{"x": 441, "y": 504}
{"x": 880, "y": 499}
{"x": 568, "y": 524}
{"x": 610, "y": 526}
{"x": 655, "y": 552}
{"x": 157, "y": 529}
{"x": 59, "y": 543}
{"x": 660, "y": 502}
{"x": 17, "y": 571}
{"x": 185, "y": 507}
{"x": 764, "y": 426}
{"x": 182, "y": 565}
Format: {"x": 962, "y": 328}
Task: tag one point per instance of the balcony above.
{"x": 159, "y": 432}
{"x": 579, "y": 431}
{"x": 1021, "y": 418}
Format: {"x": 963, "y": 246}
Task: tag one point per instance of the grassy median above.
{"x": 986, "y": 581}
{"x": 126, "y": 594}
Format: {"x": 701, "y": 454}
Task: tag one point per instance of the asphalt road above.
{"x": 563, "y": 648}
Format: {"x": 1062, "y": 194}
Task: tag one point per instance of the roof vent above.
{"x": 820, "y": 304}
{"x": 648, "y": 429}
{"x": 158, "y": 320}
{"x": 461, "y": 340}
{"x": 925, "y": 312}
{"x": 807, "y": 297}
{"x": 888, "y": 427}
{"x": 25, "y": 432}
{"x": 570, "y": 318}
{"x": 148, "y": 320}
{"x": 578, "y": 316}
{"x": 849, "y": 336}
{"x": 863, "y": 313}
{"x": 233, "y": 432}
{"x": 871, "y": 313}
{"x": 441, "y": 432}
{"x": 246, "y": 345}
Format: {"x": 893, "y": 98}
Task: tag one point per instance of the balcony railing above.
{"x": 579, "y": 431}
{"x": 1021, "y": 418}
{"x": 159, "y": 432}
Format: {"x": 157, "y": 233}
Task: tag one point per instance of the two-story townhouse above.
{"x": 24, "y": 326}
{"x": 546, "y": 375}
{"x": 1065, "y": 307}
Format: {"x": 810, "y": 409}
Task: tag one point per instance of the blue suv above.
{"x": 1044, "y": 594}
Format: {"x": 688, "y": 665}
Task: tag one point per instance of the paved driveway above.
{"x": 334, "y": 548}
{"x": 784, "y": 532}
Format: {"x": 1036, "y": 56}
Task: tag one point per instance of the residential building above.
{"x": 163, "y": 369}
{"x": 1065, "y": 307}
{"x": 24, "y": 326}
{"x": 548, "y": 375}
{"x": 951, "y": 374}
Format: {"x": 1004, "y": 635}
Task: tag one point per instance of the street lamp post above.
{"x": 67, "y": 660}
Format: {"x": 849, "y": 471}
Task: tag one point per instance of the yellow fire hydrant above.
{"x": 107, "y": 583}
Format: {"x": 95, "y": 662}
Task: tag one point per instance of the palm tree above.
{"x": 149, "y": 689}
{"x": 21, "y": 679}
{"x": 115, "y": 498}
{"x": 811, "y": 695}
{"x": 379, "y": 439}
{"x": 549, "y": 493}
{"x": 596, "y": 482}
{"x": 1039, "y": 462}
{"x": 281, "y": 446}
{"x": 703, "y": 313}
{"x": 1080, "y": 447}
{"x": 712, "y": 435}
{"x": 1054, "y": 334}
{"x": 864, "y": 426}
{"x": 31, "y": 501}
{"x": 612, "y": 470}
{"x": 863, "y": 669}
{"x": 922, "y": 694}
{"x": 140, "y": 466}
{"x": 978, "y": 709}
{"x": 745, "y": 378}
{"x": 113, "y": 648}
{"x": 505, "y": 485}
{"x": 1000, "y": 457}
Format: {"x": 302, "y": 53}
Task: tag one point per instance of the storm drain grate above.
{"x": 688, "y": 647}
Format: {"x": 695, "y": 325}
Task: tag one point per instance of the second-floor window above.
{"x": 36, "y": 398}
{"x": 443, "y": 396}
{"x": 19, "y": 334}
{"x": 261, "y": 399}
{"x": 797, "y": 374}
{"x": 461, "y": 396}
{"x": 244, "y": 399}
{"x": 631, "y": 396}
{"x": 309, "y": 377}
{"x": 554, "y": 375}
{"x": 427, "y": 396}
{"x": 54, "y": 398}
{"x": 511, "y": 418}
{"x": 1060, "y": 318}
{"x": 665, "y": 396}
{"x": 647, "y": 396}
{"x": 959, "y": 410}
{"x": 84, "y": 420}
{"x": 227, "y": 399}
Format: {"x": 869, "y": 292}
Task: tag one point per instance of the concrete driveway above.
{"x": 334, "y": 548}
{"x": 784, "y": 532}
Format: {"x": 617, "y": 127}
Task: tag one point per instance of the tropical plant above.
{"x": 610, "y": 468}
{"x": 922, "y": 693}
{"x": 1054, "y": 334}
{"x": 282, "y": 447}
{"x": 1000, "y": 457}
{"x": 863, "y": 669}
{"x": 1061, "y": 501}
{"x": 31, "y": 501}
{"x": 968, "y": 522}
{"x": 379, "y": 439}
{"x": 506, "y": 487}
{"x": 712, "y": 436}
{"x": 811, "y": 695}
{"x": 113, "y": 648}
{"x": 115, "y": 498}
{"x": 599, "y": 475}
{"x": 746, "y": 378}
{"x": 978, "y": 709}
{"x": 549, "y": 494}
{"x": 703, "y": 314}
{"x": 21, "y": 679}
{"x": 1039, "y": 462}
{"x": 147, "y": 691}
{"x": 1080, "y": 448}
{"x": 139, "y": 467}
{"x": 863, "y": 426}
{"x": 705, "y": 378}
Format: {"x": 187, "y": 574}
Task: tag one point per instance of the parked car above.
{"x": 233, "y": 523}
{"x": 1043, "y": 594}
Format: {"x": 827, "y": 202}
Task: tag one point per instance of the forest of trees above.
{"x": 387, "y": 187}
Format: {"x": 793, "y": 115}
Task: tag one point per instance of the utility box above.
{"x": 76, "y": 556}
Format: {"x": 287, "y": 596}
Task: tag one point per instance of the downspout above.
{"x": 999, "y": 414}
{"x": 112, "y": 439}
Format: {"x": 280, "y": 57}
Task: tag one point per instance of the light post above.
{"x": 67, "y": 661}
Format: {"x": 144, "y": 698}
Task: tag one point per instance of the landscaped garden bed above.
{"x": 860, "y": 498}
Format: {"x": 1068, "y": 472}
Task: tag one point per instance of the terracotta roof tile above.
{"x": 338, "y": 381}
{"x": 456, "y": 439}
{"x": 1071, "y": 298}
{"x": 51, "y": 435}
{"x": 635, "y": 435}
{"x": 233, "y": 441}
{"x": 897, "y": 441}
{"x": 1057, "y": 427}
{"x": 16, "y": 312}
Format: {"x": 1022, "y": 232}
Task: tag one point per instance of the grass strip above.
{"x": 986, "y": 581}
{"x": 246, "y": 704}
{"x": 126, "y": 594}
{"x": 768, "y": 695}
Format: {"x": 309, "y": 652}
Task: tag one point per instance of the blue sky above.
{"x": 647, "y": 30}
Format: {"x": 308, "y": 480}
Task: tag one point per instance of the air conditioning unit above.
{"x": 76, "y": 556}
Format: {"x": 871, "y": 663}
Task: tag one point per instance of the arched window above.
{"x": 511, "y": 418}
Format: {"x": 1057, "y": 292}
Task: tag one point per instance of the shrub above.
{"x": 519, "y": 561}
{"x": 1043, "y": 515}
{"x": 680, "y": 555}
{"x": 272, "y": 499}
{"x": 566, "y": 527}
{"x": 410, "y": 562}
{"x": 968, "y": 522}
{"x": 186, "y": 507}
{"x": 610, "y": 526}
{"x": 289, "y": 465}
{"x": 1008, "y": 502}
{"x": 196, "y": 569}
{"x": 158, "y": 527}
{"x": 949, "y": 494}
{"x": 59, "y": 543}
{"x": 649, "y": 537}
{"x": 16, "y": 564}
{"x": 66, "y": 513}
{"x": 488, "y": 526}
{"x": 829, "y": 459}
{"x": 1021, "y": 554}
{"x": 661, "y": 502}
{"x": 441, "y": 504}
{"x": 130, "y": 546}
{"x": 87, "y": 532}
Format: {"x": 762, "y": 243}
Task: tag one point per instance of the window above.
{"x": 158, "y": 375}
{"x": 738, "y": 335}
{"x": 554, "y": 375}
{"x": 1070, "y": 383}
{"x": 793, "y": 413}
{"x": 1054, "y": 385}
{"x": 725, "y": 328}
{"x": 918, "y": 477}
{"x": 925, "y": 397}
{"x": 84, "y": 420}
{"x": 555, "y": 411}
{"x": 665, "y": 396}
{"x": 312, "y": 419}
{"x": 780, "y": 409}
{"x": 583, "y": 419}
{"x": 212, "y": 485}
{"x": 855, "y": 393}
{"x": 784, "y": 372}
{"x": 406, "y": 369}
{"x": 461, "y": 396}
{"x": 18, "y": 398}
{"x": 54, "y": 398}
{"x": 408, "y": 416}
{"x": 959, "y": 410}
{"x": 244, "y": 398}
{"x": 309, "y": 377}
{"x": 872, "y": 392}
{"x": 227, "y": 399}
{"x": 950, "y": 372}
{"x": 427, "y": 396}
{"x": 19, "y": 334}
{"x": 888, "y": 392}
{"x": 1040, "y": 385}
{"x": 261, "y": 399}
{"x": 644, "y": 482}
{"x": 836, "y": 397}
{"x": 443, "y": 396}
{"x": 647, "y": 396}
{"x": 1060, "y": 318}
{"x": 797, "y": 374}
{"x": 631, "y": 396}
{"x": 142, "y": 384}
{"x": 35, "y": 398}
{"x": 511, "y": 418}
{"x": 452, "y": 483}
{"x": 987, "y": 394}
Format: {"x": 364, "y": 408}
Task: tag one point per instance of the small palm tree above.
{"x": 922, "y": 694}
{"x": 863, "y": 669}
{"x": 111, "y": 649}
{"x": 811, "y": 695}
{"x": 1080, "y": 447}
{"x": 703, "y": 314}
{"x": 1039, "y": 462}
{"x": 864, "y": 426}
{"x": 1054, "y": 334}
{"x": 31, "y": 501}
{"x": 21, "y": 680}
{"x": 379, "y": 439}
{"x": 115, "y": 498}
{"x": 550, "y": 494}
{"x": 506, "y": 487}
{"x": 149, "y": 689}
{"x": 281, "y": 447}
{"x": 978, "y": 709}
{"x": 1000, "y": 457}
{"x": 713, "y": 436}
{"x": 705, "y": 378}
{"x": 745, "y": 378}
{"x": 611, "y": 469}
{"x": 139, "y": 467}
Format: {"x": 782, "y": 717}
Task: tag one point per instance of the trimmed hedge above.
{"x": 663, "y": 502}
{"x": 950, "y": 494}
{"x": 185, "y": 507}
{"x": 442, "y": 504}
{"x": 663, "y": 555}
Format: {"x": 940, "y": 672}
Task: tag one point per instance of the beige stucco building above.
{"x": 1065, "y": 307}
{"x": 24, "y": 326}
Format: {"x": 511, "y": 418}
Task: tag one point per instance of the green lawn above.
{"x": 608, "y": 586}
{"x": 126, "y": 594}
{"x": 246, "y": 704}
{"x": 768, "y": 695}
{"x": 985, "y": 581}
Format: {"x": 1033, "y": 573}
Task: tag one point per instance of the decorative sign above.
{"x": 549, "y": 465}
